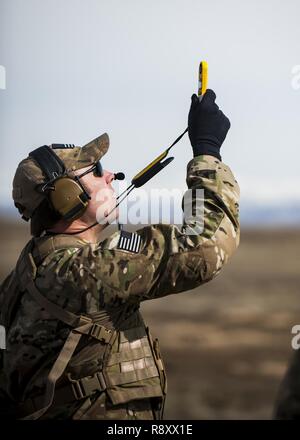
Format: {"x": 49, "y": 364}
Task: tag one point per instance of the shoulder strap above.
{"x": 56, "y": 372}
{"x": 81, "y": 325}
{"x": 27, "y": 274}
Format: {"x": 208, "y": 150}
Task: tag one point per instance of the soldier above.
{"x": 77, "y": 346}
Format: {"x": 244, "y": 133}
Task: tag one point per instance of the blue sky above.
{"x": 75, "y": 69}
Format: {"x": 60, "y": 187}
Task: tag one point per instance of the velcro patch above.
{"x": 129, "y": 241}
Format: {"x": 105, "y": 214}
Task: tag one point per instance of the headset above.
{"x": 66, "y": 194}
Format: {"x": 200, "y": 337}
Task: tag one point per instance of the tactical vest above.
{"x": 121, "y": 360}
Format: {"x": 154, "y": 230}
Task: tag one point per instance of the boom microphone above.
{"x": 119, "y": 176}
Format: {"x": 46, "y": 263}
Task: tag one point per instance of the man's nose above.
{"x": 109, "y": 177}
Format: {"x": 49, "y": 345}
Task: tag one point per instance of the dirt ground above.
{"x": 226, "y": 345}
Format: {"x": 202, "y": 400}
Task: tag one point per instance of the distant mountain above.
{"x": 258, "y": 214}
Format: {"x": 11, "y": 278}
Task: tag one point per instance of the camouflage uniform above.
{"x": 75, "y": 326}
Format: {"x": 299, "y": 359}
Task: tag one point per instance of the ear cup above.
{"x": 68, "y": 198}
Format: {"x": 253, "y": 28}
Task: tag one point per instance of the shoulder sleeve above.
{"x": 163, "y": 259}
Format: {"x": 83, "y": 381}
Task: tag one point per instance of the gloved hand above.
{"x": 207, "y": 125}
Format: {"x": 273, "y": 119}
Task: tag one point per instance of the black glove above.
{"x": 207, "y": 125}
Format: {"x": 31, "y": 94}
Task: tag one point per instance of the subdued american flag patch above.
{"x": 129, "y": 241}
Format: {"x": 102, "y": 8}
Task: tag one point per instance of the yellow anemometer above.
{"x": 203, "y": 78}
{"x": 157, "y": 165}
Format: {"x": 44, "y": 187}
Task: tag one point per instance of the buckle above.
{"x": 77, "y": 391}
{"x": 83, "y": 320}
{"x": 101, "y": 333}
{"x": 86, "y": 386}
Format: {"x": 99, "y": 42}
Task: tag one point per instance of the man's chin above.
{"x": 111, "y": 217}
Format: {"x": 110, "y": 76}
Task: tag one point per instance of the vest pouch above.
{"x": 131, "y": 369}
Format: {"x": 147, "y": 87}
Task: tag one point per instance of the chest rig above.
{"x": 131, "y": 366}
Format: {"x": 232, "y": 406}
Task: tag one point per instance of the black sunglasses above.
{"x": 96, "y": 169}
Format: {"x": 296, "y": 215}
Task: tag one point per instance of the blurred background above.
{"x": 73, "y": 69}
